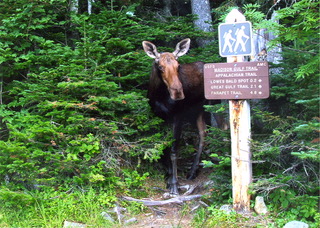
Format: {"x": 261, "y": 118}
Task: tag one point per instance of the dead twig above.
{"x": 291, "y": 168}
{"x": 178, "y": 200}
{"x": 190, "y": 190}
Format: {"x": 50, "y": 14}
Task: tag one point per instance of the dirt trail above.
{"x": 181, "y": 215}
{"x": 170, "y": 216}
{"x": 174, "y": 215}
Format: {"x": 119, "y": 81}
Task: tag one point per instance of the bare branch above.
{"x": 178, "y": 200}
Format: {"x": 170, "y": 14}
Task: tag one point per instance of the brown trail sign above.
{"x": 236, "y": 80}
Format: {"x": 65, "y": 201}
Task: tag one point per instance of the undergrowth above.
{"x": 52, "y": 208}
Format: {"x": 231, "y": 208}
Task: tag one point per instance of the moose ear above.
{"x": 150, "y": 49}
{"x": 182, "y": 48}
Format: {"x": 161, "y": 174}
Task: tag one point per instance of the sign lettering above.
{"x": 239, "y": 80}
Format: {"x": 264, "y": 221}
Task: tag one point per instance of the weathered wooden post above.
{"x": 237, "y": 81}
{"x": 240, "y": 154}
{"x": 240, "y": 130}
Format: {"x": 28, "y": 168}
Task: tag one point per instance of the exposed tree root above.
{"x": 178, "y": 200}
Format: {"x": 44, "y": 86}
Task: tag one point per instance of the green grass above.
{"x": 51, "y": 209}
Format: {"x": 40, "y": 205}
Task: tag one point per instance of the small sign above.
{"x": 235, "y": 39}
{"x": 238, "y": 80}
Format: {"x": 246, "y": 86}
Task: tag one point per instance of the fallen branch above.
{"x": 178, "y": 199}
{"x": 191, "y": 189}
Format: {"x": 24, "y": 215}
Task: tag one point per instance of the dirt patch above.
{"x": 165, "y": 217}
{"x": 178, "y": 215}
{"x": 175, "y": 214}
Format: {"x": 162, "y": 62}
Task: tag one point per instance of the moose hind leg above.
{"x": 201, "y": 124}
{"x": 173, "y": 180}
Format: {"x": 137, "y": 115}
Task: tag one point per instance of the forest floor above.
{"x": 173, "y": 214}
{"x": 181, "y": 215}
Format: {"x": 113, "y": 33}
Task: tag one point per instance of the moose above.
{"x": 176, "y": 93}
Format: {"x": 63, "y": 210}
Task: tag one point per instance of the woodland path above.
{"x": 174, "y": 215}
{"x": 181, "y": 215}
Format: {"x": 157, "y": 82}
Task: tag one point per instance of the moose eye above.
{"x": 161, "y": 68}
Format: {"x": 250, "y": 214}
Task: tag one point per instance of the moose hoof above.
{"x": 168, "y": 195}
{"x": 191, "y": 176}
{"x": 173, "y": 190}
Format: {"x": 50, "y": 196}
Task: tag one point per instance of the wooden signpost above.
{"x": 237, "y": 81}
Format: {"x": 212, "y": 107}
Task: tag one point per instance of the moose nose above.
{"x": 176, "y": 93}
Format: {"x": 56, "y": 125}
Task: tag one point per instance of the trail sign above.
{"x": 238, "y": 80}
{"x": 235, "y": 39}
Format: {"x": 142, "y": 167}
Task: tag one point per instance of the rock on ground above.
{"x": 296, "y": 224}
{"x": 68, "y": 224}
{"x": 260, "y": 207}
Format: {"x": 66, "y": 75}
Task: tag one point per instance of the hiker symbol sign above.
{"x": 235, "y": 39}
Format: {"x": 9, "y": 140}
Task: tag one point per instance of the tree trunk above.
{"x": 72, "y": 33}
{"x": 167, "y": 8}
{"x": 74, "y": 6}
{"x": 274, "y": 54}
{"x": 201, "y": 8}
{"x": 90, "y": 6}
{"x": 263, "y": 52}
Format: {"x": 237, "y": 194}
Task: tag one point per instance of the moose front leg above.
{"x": 173, "y": 180}
{"x": 201, "y": 124}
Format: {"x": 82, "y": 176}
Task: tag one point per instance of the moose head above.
{"x": 168, "y": 65}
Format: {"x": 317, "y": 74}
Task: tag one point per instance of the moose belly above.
{"x": 167, "y": 110}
